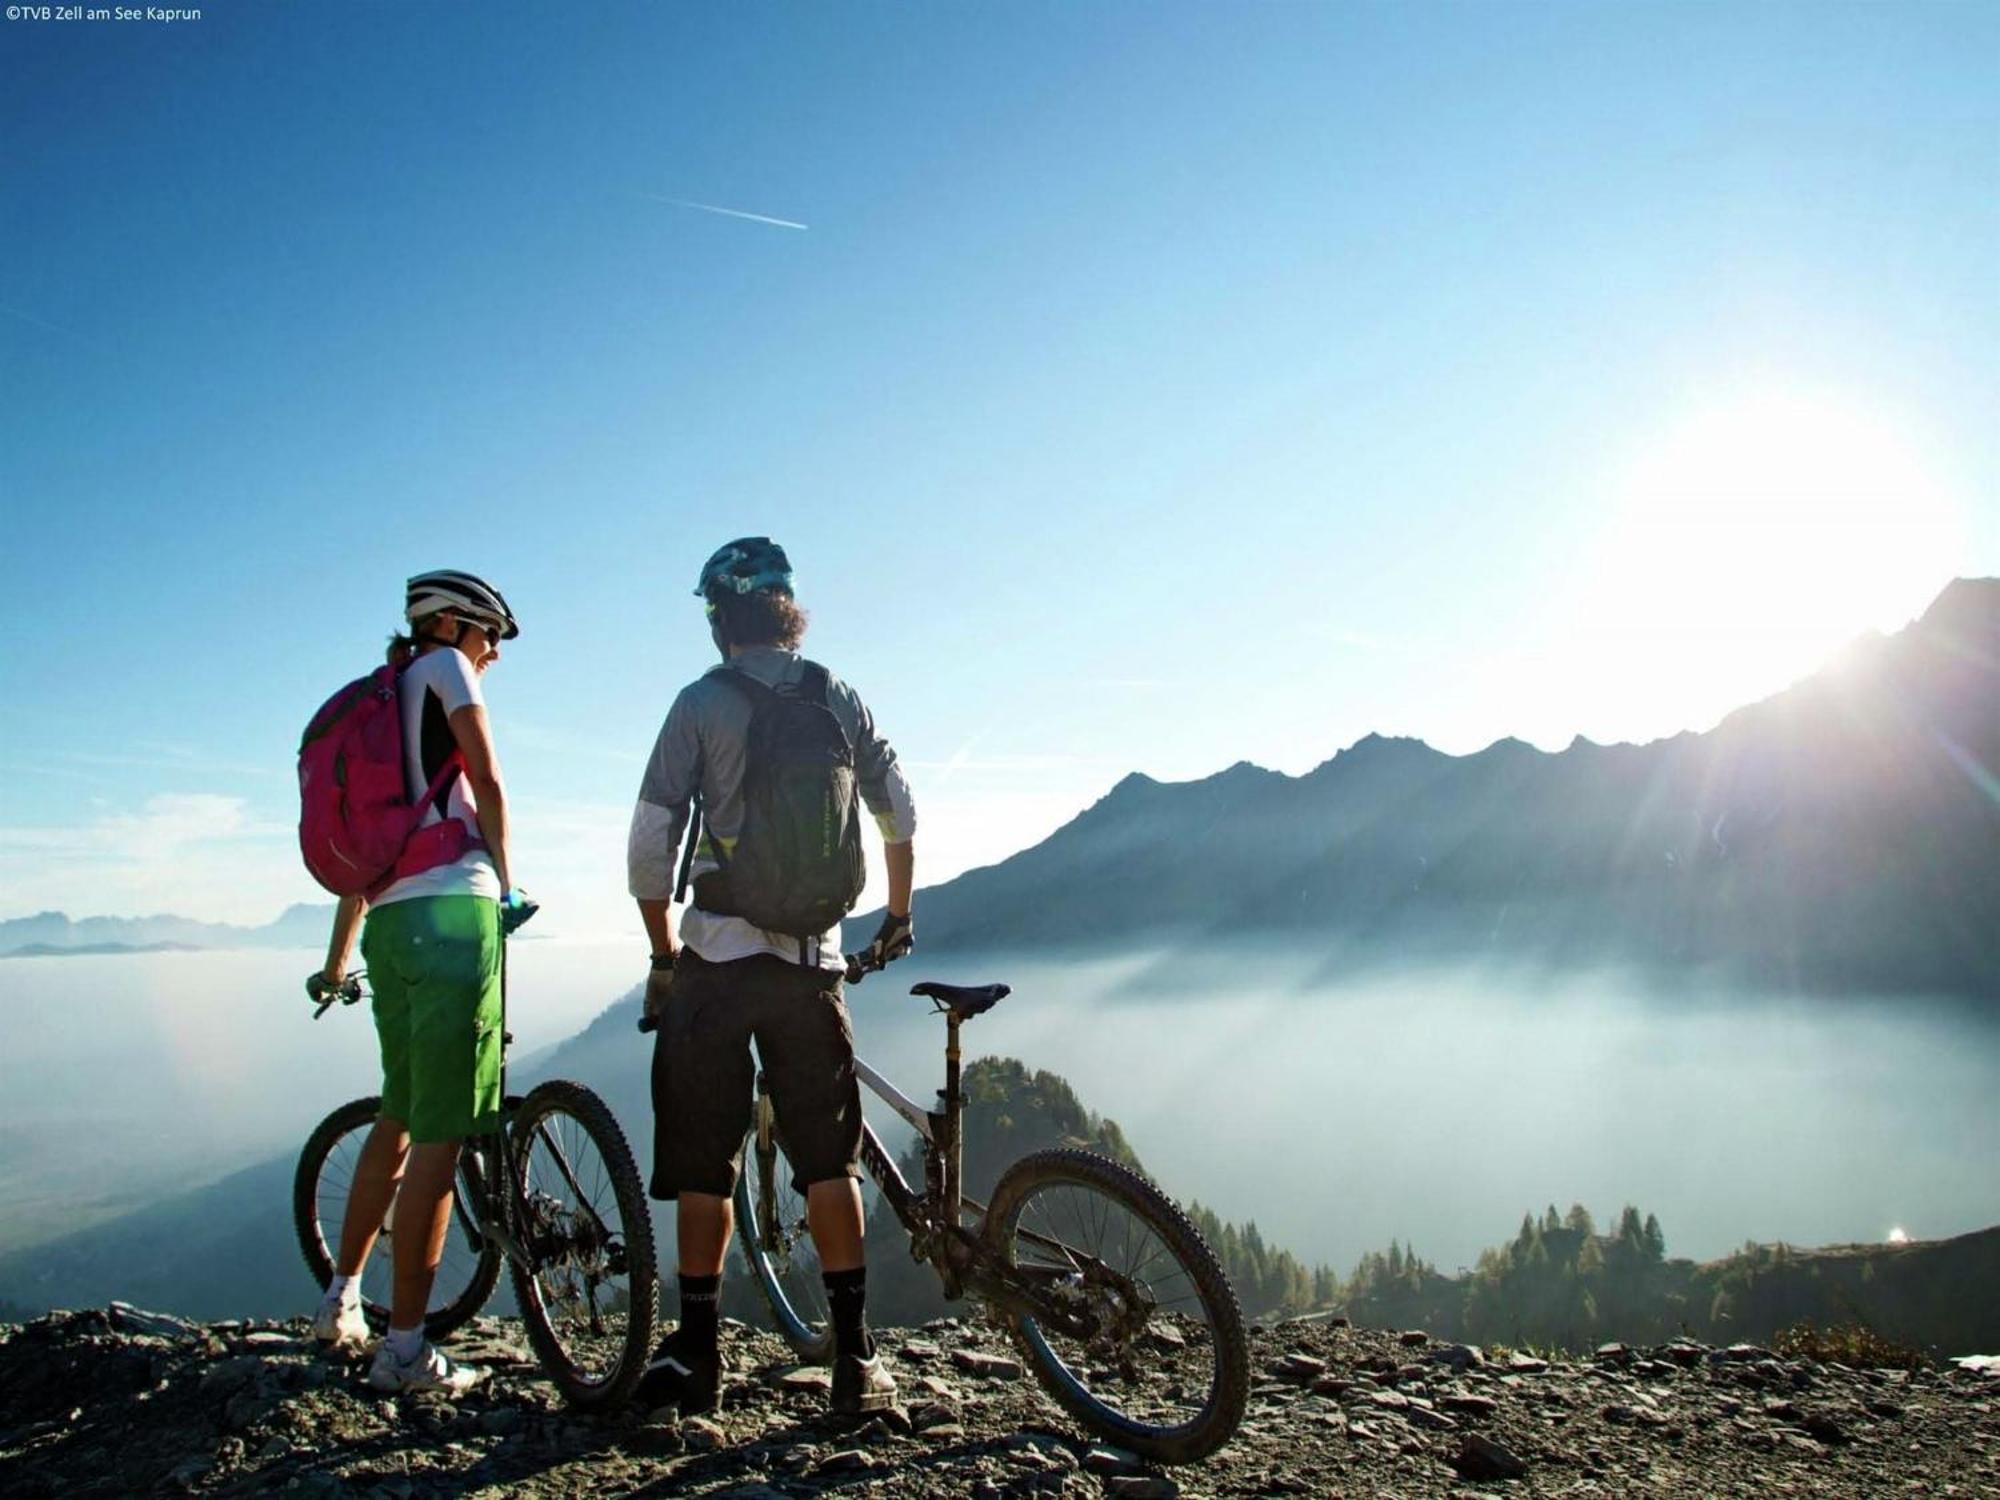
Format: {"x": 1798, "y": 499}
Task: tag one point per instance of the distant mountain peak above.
{"x": 1244, "y": 770}
{"x": 1372, "y": 744}
{"x": 1508, "y": 745}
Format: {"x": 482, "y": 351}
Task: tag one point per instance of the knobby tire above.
{"x": 318, "y": 1247}
{"x": 813, "y": 1343}
{"x": 600, "y": 1126}
{"x": 1216, "y": 1421}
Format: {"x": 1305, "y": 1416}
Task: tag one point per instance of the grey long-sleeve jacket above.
{"x": 702, "y": 745}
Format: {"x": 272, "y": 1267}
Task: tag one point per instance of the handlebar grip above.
{"x": 648, "y": 1023}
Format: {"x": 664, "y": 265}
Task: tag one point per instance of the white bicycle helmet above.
{"x": 470, "y": 595}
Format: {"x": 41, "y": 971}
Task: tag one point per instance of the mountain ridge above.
{"x": 1840, "y": 835}
{"x": 52, "y": 933}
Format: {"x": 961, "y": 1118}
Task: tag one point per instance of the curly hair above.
{"x": 767, "y": 617}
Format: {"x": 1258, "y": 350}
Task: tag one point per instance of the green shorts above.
{"x": 434, "y": 965}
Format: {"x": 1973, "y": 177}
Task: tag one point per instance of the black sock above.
{"x": 847, "y": 1301}
{"x": 701, "y": 1298}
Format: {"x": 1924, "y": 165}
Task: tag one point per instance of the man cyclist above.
{"x": 726, "y": 980}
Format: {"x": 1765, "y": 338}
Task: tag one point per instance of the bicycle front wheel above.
{"x": 590, "y": 1291}
{"x": 468, "y": 1267}
{"x": 1143, "y": 1339}
{"x": 775, "y": 1239}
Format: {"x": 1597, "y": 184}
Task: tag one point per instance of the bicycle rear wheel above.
{"x": 469, "y": 1267}
{"x": 773, "y": 1235}
{"x": 1144, "y": 1341}
{"x": 590, "y": 1292}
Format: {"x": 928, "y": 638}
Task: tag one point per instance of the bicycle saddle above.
{"x": 967, "y": 1000}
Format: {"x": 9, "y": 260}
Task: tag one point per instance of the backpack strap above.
{"x": 687, "y": 849}
{"x": 439, "y": 795}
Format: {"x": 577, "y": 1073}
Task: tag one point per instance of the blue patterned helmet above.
{"x": 744, "y": 566}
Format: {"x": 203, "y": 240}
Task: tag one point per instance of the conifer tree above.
{"x": 1656, "y": 1239}
{"x": 1326, "y": 1287}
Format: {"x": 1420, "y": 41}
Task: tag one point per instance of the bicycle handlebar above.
{"x": 346, "y": 992}
{"x": 515, "y": 910}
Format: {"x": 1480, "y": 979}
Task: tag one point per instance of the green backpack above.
{"x": 797, "y": 866}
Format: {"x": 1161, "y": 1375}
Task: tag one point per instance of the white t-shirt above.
{"x": 433, "y": 687}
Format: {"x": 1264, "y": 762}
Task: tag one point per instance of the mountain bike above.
{"x": 553, "y": 1192}
{"x": 1118, "y": 1305}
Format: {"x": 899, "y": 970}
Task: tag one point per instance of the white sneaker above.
{"x": 340, "y": 1325}
{"x": 431, "y": 1370}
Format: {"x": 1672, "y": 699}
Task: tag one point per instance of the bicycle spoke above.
{"x": 773, "y": 1236}
{"x": 1133, "y": 1340}
{"x": 330, "y": 1171}
{"x": 579, "y": 1285}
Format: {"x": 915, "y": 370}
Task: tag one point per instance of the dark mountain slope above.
{"x": 1843, "y": 835}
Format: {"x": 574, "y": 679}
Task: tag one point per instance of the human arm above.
{"x": 886, "y": 792}
{"x": 660, "y": 817}
{"x": 340, "y": 949}
{"x": 474, "y": 738}
{"x": 898, "y": 933}
{"x": 658, "y": 920}
{"x": 901, "y": 862}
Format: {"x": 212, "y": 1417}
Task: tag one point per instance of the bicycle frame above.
{"x": 938, "y": 1237}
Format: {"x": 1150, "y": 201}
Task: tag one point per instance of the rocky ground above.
{"x": 121, "y": 1402}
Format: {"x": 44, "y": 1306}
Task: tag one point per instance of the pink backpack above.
{"x": 357, "y": 825}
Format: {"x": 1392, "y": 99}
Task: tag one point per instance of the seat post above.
{"x": 951, "y": 1147}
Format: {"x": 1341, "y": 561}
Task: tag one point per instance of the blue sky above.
{"x": 1152, "y": 387}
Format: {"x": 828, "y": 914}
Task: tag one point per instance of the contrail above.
{"x": 68, "y": 333}
{"x": 734, "y": 213}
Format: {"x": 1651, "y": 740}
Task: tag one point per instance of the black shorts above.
{"x": 703, "y": 1078}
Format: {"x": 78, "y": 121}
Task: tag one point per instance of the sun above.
{"x": 1748, "y": 539}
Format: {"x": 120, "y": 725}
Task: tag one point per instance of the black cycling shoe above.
{"x": 861, "y": 1385}
{"x": 681, "y": 1377}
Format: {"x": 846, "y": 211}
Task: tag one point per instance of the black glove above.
{"x": 323, "y": 991}
{"x": 895, "y": 937}
{"x": 659, "y": 990}
{"x": 515, "y": 909}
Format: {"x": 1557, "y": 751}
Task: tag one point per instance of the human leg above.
{"x": 701, "y": 1232}
{"x": 377, "y": 1173}
{"x": 379, "y": 1169}
{"x": 423, "y": 1214}
{"x": 807, "y": 1044}
{"x": 447, "y": 958}
{"x": 833, "y": 1212}
{"x": 701, "y": 1085}
{"x": 338, "y": 1321}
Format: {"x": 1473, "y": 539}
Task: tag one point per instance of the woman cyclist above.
{"x": 432, "y": 947}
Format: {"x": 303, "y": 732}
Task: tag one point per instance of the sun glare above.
{"x": 1750, "y": 539}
